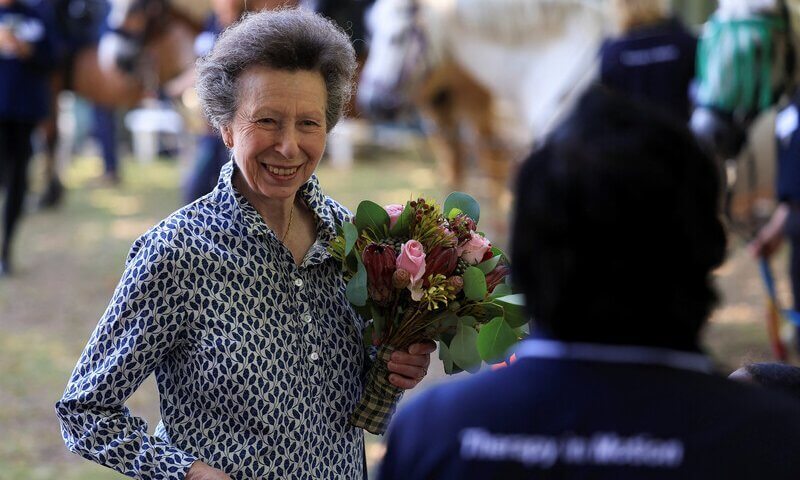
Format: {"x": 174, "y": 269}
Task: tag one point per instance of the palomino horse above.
{"x": 159, "y": 46}
{"x": 460, "y": 61}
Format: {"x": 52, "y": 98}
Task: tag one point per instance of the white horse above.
{"x": 467, "y": 63}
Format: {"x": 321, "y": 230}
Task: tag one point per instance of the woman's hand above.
{"x": 201, "y": 471}
{"x": 409, "y": 368}
{"x": 770, "y": 236}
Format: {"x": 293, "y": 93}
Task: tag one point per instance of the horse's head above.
{"x": 398, "y": 57}
{"x": 131, "y": 23}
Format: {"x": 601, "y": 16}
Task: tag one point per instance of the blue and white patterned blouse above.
{"x": 258, "y": 362}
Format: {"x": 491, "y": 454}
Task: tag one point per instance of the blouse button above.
{"x": 298, "y": 282}
{"x": 314, "y": 356}
{"x": 307, "y": 318}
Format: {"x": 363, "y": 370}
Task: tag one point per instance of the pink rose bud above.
{"x": 401, "y": 279}
{"x": 394, "y": 210}
{"x": 473, "y": 250}
{"x": 456, "y": 283}
{"x": 379, "y": 261}
{"x": 412, "y": 260}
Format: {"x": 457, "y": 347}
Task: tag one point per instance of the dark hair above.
{"x": 286, "y": 39}
{"x": 778, "y": 376}
{"x": 616, "y": 228}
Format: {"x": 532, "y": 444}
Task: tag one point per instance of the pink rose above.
{"x": 473, "y": 250}
{"x": 412, "y": 260}
{"x": 394, "y": 210}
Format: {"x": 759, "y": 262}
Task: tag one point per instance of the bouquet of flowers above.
{"x": 421, "y": 272}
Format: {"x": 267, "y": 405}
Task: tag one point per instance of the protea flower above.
{"x": 496, "y": 276}
{"x": 441, "y": 261}
{"x": 379, "y": 261}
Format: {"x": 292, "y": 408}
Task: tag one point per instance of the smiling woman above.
{"x": 278, "y": 137}
{"x": 234, "y": 301}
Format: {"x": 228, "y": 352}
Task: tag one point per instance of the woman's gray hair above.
{"x": 285, "y": 39}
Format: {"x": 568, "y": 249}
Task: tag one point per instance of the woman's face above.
{"x": 278, "y": 131}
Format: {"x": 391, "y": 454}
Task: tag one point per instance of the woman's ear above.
{"x": 227, "y": 135}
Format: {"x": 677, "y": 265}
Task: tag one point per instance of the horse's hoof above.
{"x": 53, "y": 195}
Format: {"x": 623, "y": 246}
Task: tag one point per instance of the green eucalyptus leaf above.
{"x": 356, "y": 290}
{"x": 468, "y": 205}
{"x": 496, "y": 251}
{"x": 513, "y": 309}
{"x": 448, "y": 321}
{"x": 370, "y": 215}
{"x": 350, "y": 237}
{"x": 486, "y": 311}
{"x": 445, "y": 357}
{"x": 474, "y": 284}
{"x": 447, "y": 337}
{"x": 464, "y": 348}
{"x": 494, "y": 340}
{"x": 501, "y": 290}
{"x": 400, "y": 229}
{"x": 488, "y": 265}
{"x": 468, "y": 321}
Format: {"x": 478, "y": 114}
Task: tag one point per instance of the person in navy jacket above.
{"x": 25, "y": 58}
{"x": 615, "y": 237}
{"x": 653, "y": 57}
{"x": 785, "y": 220}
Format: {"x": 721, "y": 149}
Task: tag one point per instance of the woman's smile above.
{"x": 281, "y": 173}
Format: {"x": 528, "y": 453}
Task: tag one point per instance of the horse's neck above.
{"x": 167, "y": 55}
{"x": 172, "y": 50}
{"x": 538, "y": 75}
{"x": 100, "y": 86}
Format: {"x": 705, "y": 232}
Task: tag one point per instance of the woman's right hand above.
{"x": 202, "y": 471}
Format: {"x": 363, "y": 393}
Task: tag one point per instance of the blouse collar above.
{"x": 246, "y": 215}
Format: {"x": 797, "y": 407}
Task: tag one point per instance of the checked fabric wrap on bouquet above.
{"x": 420, "y": 272}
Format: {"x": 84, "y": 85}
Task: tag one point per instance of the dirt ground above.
{"x": 69, "y": 261}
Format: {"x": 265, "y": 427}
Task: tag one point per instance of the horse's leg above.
{"x": 476, "y": 104}
{"x": 444, "y": 135}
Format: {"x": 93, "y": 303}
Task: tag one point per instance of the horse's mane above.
{"x": 517, "y": 21}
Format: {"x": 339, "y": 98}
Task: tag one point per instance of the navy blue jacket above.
{"x": 788, "y": 152}
{"x": 567, "y": 419}
{"x": 655, "y": 62}
{"x": 24, "y": 93}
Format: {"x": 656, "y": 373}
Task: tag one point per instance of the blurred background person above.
{"x": 652, "y": 57}
{"x": 785, "y": 220}
{"x": 25, "y": 60}
{"x": 615, "y": 236}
